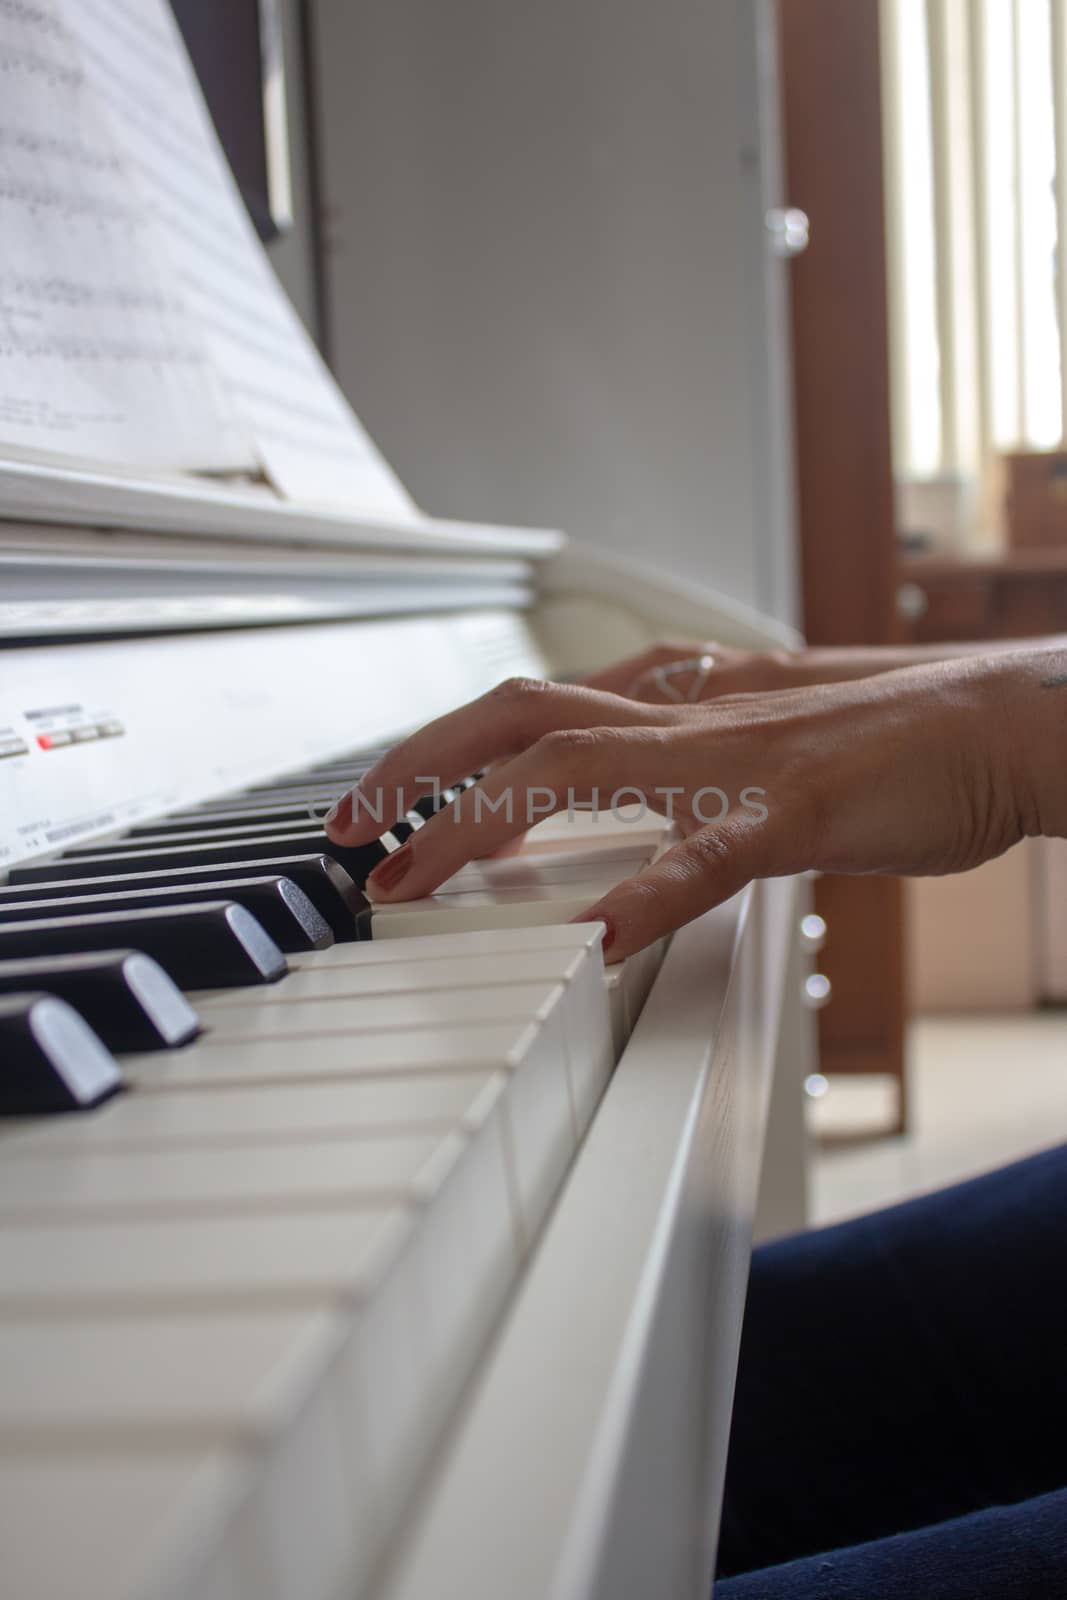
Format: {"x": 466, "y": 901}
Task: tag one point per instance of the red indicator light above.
{"x": 45, "y": 741}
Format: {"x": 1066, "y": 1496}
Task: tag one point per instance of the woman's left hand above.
{"x": 680, "y": 672}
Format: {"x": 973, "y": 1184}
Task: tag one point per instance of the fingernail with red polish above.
{"x": 388, "y": 873}
{"x": 609, "y": 937}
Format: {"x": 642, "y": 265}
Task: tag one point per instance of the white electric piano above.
{"x": 348, "y": 1254}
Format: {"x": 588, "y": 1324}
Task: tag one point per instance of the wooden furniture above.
{"x": 831, "y": 88}
{"x": 1035, "y": 499}
{"x": 1017, "y": 595}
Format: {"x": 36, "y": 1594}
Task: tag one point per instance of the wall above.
{"x": 549, "y": 294}
{"x": 293, "y": 253}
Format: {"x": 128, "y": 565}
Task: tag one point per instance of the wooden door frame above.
{"x": 831, "y": 103}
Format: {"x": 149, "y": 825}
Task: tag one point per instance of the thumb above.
{"x": 700, "y": 872}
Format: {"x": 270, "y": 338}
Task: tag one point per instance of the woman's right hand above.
{"x": 930, "y": 770}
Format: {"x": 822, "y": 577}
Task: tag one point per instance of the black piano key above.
{"x": 358, "y": 861}
{"x": 329, "y": 783}
{"x": 164, "y": 834}
{"x": 50, "y": 1058}
{"x": 341, "y": 772}
{"x": 428, "y": 805}
{"x": 297, "y": 783}
{"x": 217, "y": 945}
{"x": 123, "y": 994}
{"x": 279, "y": 817}
{"x": 324, "y": 881}
{"x": 276, "y": 903}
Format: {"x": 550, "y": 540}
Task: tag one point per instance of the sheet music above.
{"x": 99, "y": 359}
{"x": 310, "y": 441}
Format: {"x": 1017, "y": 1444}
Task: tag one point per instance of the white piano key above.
{"x": 402, "y": 976}
{"x": 417, "y": 1322}
{"x": 535, "y": 870}
{"x": 281, "y": 1108}
{"x": 592, "y": 1053}
{"x": 578, "y": 857}
{"x": 278, "y": 1261}
{"x": 639, "y": 974}
{"x": 473, "y": 943}
{"x": 228, "y": 1380}
{"x": 633, "y": 825}
{"x": 627, "y": 986}
{"x": 107, "y": 1526}
{"x": 577, "y": 967}
{"x": 264, "y": 1384}
{"x": 244, "y": 1018}
{"x": 544, "y": 1103}
{"x": 503, "y": 908}
{"x": 414, "y": 1053}
{"x": 617, "y": 1009}
{"x": 279, "y": 1516}
{"x": 530, "y": 1061}
{"x": 105, "y": 1185}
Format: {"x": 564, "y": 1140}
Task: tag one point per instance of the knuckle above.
{"x": 517, "y": 691}
{"x": 650, "y": 900}
{"x": 565, "y": 747}
{"x": 706, "y": 853}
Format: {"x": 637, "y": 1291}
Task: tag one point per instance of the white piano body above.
{"x": 227, "y": 639}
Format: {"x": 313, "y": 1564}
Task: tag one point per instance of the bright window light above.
{"x": 1042, "y": 413}
{"x": 997, "y": 89}
{"x": 922, "y": 448}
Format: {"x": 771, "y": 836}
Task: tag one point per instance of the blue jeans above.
{"x": 900, "y": 1425}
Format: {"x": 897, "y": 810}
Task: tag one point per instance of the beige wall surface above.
{"x": 972, "y": 938}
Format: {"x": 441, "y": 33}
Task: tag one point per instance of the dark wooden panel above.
{"x": 832, "y": 120}
{"x": 1006, "y": 599}
{"x": 862, "y": 1029}
{"x": 1028, "y": 607}
{"x": 957, "y": 611}
{"x": 833, "y": 136}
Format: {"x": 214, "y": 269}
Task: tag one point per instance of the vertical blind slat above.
{"x": 980, "y": 222}
{"x": 899, "y": 364}
{"x": 1059, "y": 111}
{"x": 941, "y": 160}
{"x": 948, "y": 42}
{"x": 1021, "y": 397}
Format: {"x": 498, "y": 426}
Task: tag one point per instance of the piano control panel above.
{"x": 96, "y": 737}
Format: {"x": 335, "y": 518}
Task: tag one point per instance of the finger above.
{"x": 503, "y": 722}
{"x": 620, "y": 677}
{"x": 702, "y": 871}
{"x": 562, "y": 769}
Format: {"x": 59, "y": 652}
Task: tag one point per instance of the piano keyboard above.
{"x": 241, "y": 1299}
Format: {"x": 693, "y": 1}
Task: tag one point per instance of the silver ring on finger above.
{"x": 700, "y": 666}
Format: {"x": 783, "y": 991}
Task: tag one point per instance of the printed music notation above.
{"x": 99, "y": 355}
{"x": 311, "y": 444}
{"x": 139, "y": 258}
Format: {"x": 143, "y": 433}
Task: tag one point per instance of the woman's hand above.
{"x": 928, "y": 770}
{"x": 680, "y": 671}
